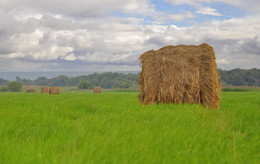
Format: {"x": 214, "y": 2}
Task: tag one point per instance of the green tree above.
{"x": 85, "y": 85}
{"x": 15, "y": 86}
{"x": 61, "y": 80}
{"x": 3, "y": 89}
{"x": 41, "y": 81}
{"x": 122, "y": 84}
{"x": 3, "y": 81}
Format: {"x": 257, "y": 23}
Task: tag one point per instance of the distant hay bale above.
{"x": 180, "y": 74}
{"x": 30, "y": 90}
{"x": 97, "y": 90}
{"x": 55, "y": 90}
{"x": 45, "y": 90}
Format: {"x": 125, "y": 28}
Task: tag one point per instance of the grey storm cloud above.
{"x": 252, "y": 46}
{"x": 157, "y": 40}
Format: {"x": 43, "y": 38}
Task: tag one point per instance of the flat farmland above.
{"x": 112, "y": 127}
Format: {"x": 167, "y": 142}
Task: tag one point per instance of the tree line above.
{"x": 235, "y": 77}
{"x": 105, "y": 80}
{"x": 240, "y": 77}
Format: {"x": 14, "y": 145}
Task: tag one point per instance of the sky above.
{"x": 87, "y": 35}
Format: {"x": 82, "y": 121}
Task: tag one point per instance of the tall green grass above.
{"x": 112, "y": 127}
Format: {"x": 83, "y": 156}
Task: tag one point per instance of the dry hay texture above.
{"x": 30, "y": 90}
{"x": 97, "y": 90}
{"x": 55, "y": 90}
{"x": 45, "y": 90}
{"x": 180, "y": 74}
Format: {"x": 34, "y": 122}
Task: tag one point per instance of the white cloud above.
{"x": 196, "y": 2}
{"x": 70, "y": 57}
{"x": 162, "y": 17}
{"x": 51, "y": 53}
{"x": 78, "y": 8}
{"x": 51, "y": 38}
{"x": 251, "y": 6}
{"x": 208, "y": 11}
{"x": 121, "y": 41}
{"x": 222, "y": 61}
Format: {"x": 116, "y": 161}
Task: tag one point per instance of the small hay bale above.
{"x": 97, "y": 90}
{"x": 55, "y": 90}
{"x": 180, "y": 74}
{"x": 45, "y": 90}
{"x": 30, "y": 90}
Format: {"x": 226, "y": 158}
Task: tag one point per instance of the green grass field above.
{"x": 112, "y": 127}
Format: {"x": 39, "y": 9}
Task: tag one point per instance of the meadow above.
{"x": 112, "y": 127}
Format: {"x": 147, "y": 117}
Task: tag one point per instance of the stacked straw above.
{"x": 30, "y": 90}
{"x": 97, "y": 90}
{"x": 45, "y": 90}
{"x": 180, "y": 74}
{"x": 55, "y": 90}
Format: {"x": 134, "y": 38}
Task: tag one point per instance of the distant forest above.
{"x": 235, "y": 77}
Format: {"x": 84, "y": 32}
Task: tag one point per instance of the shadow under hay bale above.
{"x": 55, "y": 90}
{"x": 180, "y": 74}
{"x": 97, "y": 90}
{"x": 45, "y": 90}
{"x": 30, "y": 90}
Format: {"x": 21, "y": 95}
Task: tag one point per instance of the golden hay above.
{"x": 45, "y": 90}
{"x": 180, "y": 74}
{"x": 30, "y": 90}
{"x": 55, "y": 90}
{"x": 97, "y": 90}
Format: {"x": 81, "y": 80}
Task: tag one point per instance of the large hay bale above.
{"x": 180, "y": 74}
{"x": 97, "y": 90}
{"x": 55, "y": 90}
{"x": 45, "y": 90}
{"x": 30, "y": 90}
